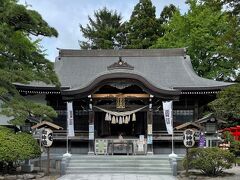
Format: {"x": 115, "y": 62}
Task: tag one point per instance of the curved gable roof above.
{"x": 168, "y": 70}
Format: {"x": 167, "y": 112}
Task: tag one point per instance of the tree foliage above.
{"x": 16, "y": 147}
{"x": 104, "y": 31}
{"x": 143, "y": 27}
{"x": 227, "y": 104}
{"x": 234, "y": 144}
{"x": 211, "y": 37}
{"x": 167, "y": 13}
{"x": 210, "y": 161}
{"x": 165, "y": 17}
{"x": 21, "y": 109}
{"x": 107, "y": 31}
{"x": 22, "y": 59}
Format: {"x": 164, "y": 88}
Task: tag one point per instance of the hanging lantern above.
{"x": 134, "y": 117}
{"x": 113, "y": 120}
{"x": 109, "y": 117}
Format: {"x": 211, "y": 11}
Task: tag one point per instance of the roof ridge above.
{"x": 122, "y": 52}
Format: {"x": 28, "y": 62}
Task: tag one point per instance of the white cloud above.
{"x": 66, "y": 15}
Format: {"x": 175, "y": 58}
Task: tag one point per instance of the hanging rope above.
{"x": 120, "y": 117}
{"x": 125, "y": 113}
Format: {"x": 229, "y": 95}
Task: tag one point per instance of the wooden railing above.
{"x": 62, "y": 134}
{"x": 83, "y": 135}
{"x": 163, "y": 135}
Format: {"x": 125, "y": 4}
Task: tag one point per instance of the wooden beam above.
{"x": 46, "y": 123}
{"x": 104, "y": 96}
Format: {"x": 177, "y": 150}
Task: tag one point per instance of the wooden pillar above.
{"x": 195, "y": 110}
{"x": 149, "y": 128}
{"x": 91, "y": 134}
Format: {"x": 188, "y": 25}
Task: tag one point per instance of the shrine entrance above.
{"x": 120, "y": 108}
{"x": 131, "y": 129}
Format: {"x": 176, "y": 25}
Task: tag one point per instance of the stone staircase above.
{"x": 155, "y": 164}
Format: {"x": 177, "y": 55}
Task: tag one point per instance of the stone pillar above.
{"x": 91, "y": 134}
{"x": 149, "y": 128}
{"x": 27, "y": 166}
{"x": 70, "y": 145}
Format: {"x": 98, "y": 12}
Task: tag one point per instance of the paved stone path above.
{"x": 115, "y": 177}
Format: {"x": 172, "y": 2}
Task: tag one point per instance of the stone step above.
{"x": 119, "y": 161}
{"x": 159, "y": 172}
{"x": 108, "y": 159}
{"x": 153, "y": 158}
{"x": 121, "y": 164}
{"x": 118, "y": 167}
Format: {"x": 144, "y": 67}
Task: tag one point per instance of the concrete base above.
{"x": 149, "y": 153}
{"x": 173, "y": 162}
{"x": 91, "y": 153}
{"x": 27, "y": 168}
{"x": 173, "y": 155}
{"x": 67, "y": 155}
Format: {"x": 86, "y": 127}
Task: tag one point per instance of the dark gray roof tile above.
{"x": 166, "y": 69}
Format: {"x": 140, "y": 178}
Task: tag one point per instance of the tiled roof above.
{"x": 165, "y": 69}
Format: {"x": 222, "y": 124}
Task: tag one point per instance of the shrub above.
{"x": 234, "y": 145}
{"x": 16, "y": 147}
{"x": 210, "y": 161}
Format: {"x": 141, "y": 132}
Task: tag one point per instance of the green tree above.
{"x": 227, "y": 104}
{"x": 16, "y": 147}
{"x": 167, "y": 13}
{"x": 143, "y": 27}
{"x": 211, "y": 37}
{"x": 165, "y": 17}
{"x": 22, "y": 59}
{"x": 104, "y": 31}
{"x": 231, "y": 6}
{"x": 234, "y": 144}
{"x": 21, "y": 109}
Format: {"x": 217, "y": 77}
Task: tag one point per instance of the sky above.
{"x": 66, "y": 16}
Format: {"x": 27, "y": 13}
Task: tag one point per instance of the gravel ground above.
{"x": 230, "y": 174}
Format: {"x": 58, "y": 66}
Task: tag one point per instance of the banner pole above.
{"x": 172, "y": 142}
{"x": 172, "y": 155}
{"x": 67, "y": 154}
{"x": 67, "y": 141}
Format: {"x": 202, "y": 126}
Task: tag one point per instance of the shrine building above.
{"x": 120, "y": 92}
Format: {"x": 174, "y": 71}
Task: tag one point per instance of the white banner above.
{"x": 70, "y": 121}
{"x": 168, "y": 115}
